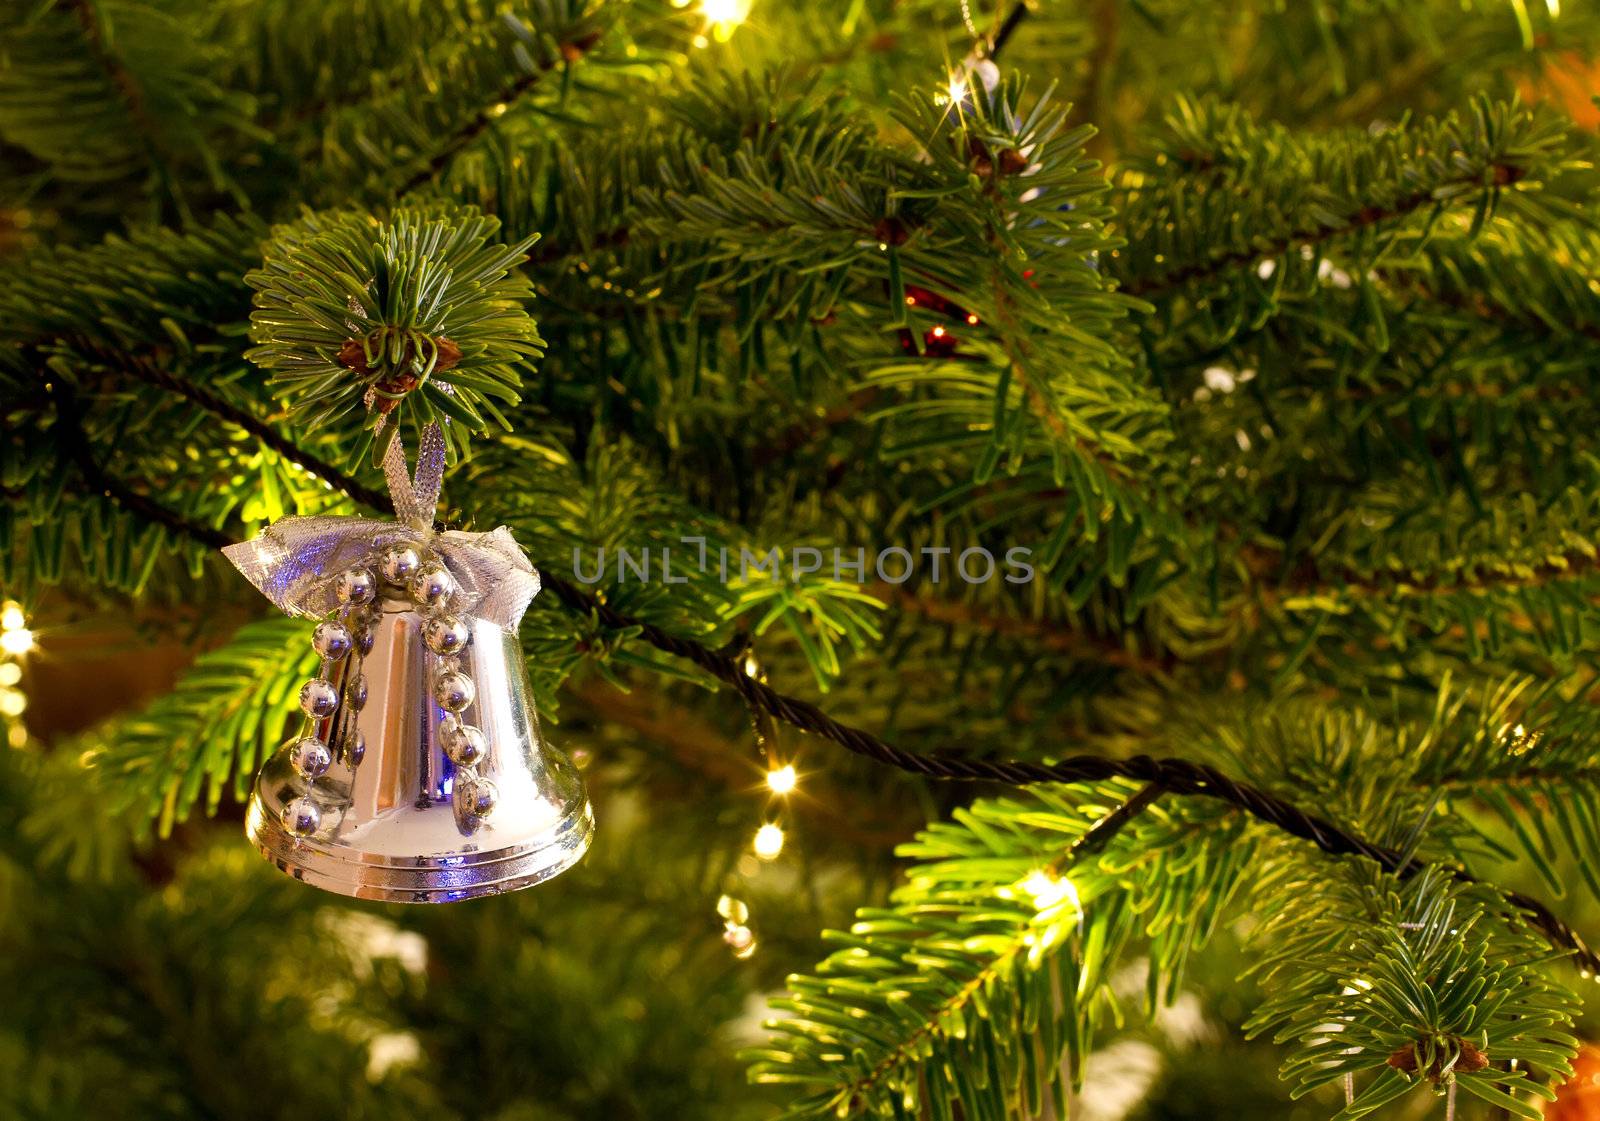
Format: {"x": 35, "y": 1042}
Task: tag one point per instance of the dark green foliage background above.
{"x": 1282, "y": 365}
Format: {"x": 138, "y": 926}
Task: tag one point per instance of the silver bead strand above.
{"x": 301, "y": 817}
{"x": 361, "y": 620}
{"x": 334, "y": 640}
{"x": 446, "y": 635}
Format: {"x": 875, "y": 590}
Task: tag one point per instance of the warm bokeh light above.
{"x": 724, "y": 16}
{"x": 16, "y": 642}
{"x": 12, "y": 618}
{"x": 769, "y": 842}
{"x": 1049, "y": 890}
{"x": 783, "y": 780}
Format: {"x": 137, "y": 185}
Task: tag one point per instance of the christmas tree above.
{"x": 1067, "y": 536}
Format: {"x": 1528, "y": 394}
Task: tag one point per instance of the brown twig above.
{"x": 126, "y": 84}
{"x": 1039, "y": 632}
{"x": 1163, "y": 283}
{"x": 567, "y": 53}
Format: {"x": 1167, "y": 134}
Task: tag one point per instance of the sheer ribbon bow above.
{"x": 296, "y": 561}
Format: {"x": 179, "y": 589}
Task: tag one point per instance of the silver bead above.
{"x": 331, "y": 640}
{"x": 433, "y": 586}
{"x": 462, "y": 800}
{"x": 446, "y": 634}
{"x": 355, "y": 692}
{"x": 364, "y": 639}
{"x": 462, "y": 742}
{"x": 453, "y": 691}
{"x": 311, "y": 757}
{"x": 475, "y": 796}
{"x": 399, "y": 564}
{"x": 356, "y": 585}
{"x": 355, "y": 748}
{"x": 318, "y": 698}
{"x": 301, "y": 817}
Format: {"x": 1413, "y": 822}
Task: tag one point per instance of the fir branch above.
{"x": 977, "y": 991}
{"x": 1179, "y": 776}
{"x": 1042, "y": 633}
{"x": 145, "y": 368}
{"x": 1159, "y": 285}
{"x": 568, "y": 53}
{"x": 1305, "y": 581}
{"x": 70, "y": 423}
{"x": 907, "y": 1049}
{"x": 121, "y": 79}
{"x": 1017, "y": 356}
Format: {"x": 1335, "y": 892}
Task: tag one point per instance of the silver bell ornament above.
{"x": 440, "y": 785}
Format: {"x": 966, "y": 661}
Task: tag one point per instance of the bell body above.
{"x": 393, "y": 819}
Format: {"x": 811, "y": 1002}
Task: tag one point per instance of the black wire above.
{"x": 1013, "y": 20}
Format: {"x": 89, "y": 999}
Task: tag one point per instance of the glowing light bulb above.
{"x": 740, "y": 939}
{"x": 783, "y": 780}
{"x": 723, "y": 16}
{"x": 956, "y": 90}
{"x": 972, "y": 320}
{"x": 769, "y": 842}
{"x": 938, "y": 332}
{"x": 12, "y": 618}
{"x": 1050, "y": 891}
{"x": 16, "y": 642}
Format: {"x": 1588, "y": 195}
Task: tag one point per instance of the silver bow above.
{"x": 296, "y": 561}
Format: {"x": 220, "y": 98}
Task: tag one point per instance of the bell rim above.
{"x": 422, "y": 879}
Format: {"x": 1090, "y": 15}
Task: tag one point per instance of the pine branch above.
{"x": 1039, "y": 632}
{"x": 145, "y": 368}
{"x": 978, "y": 990}
{"x": 1018, "y": 358}
{"x": 1179, "y": 776}
{"x": 124, "y": 82}
{"x": 1305, "y": 581}
{"x": 70, "y": 422}
{"x": 568, "y": 53}
{"x": 1161, "y": 284}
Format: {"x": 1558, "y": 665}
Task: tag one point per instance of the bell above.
{"x": 427, "y": 779}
